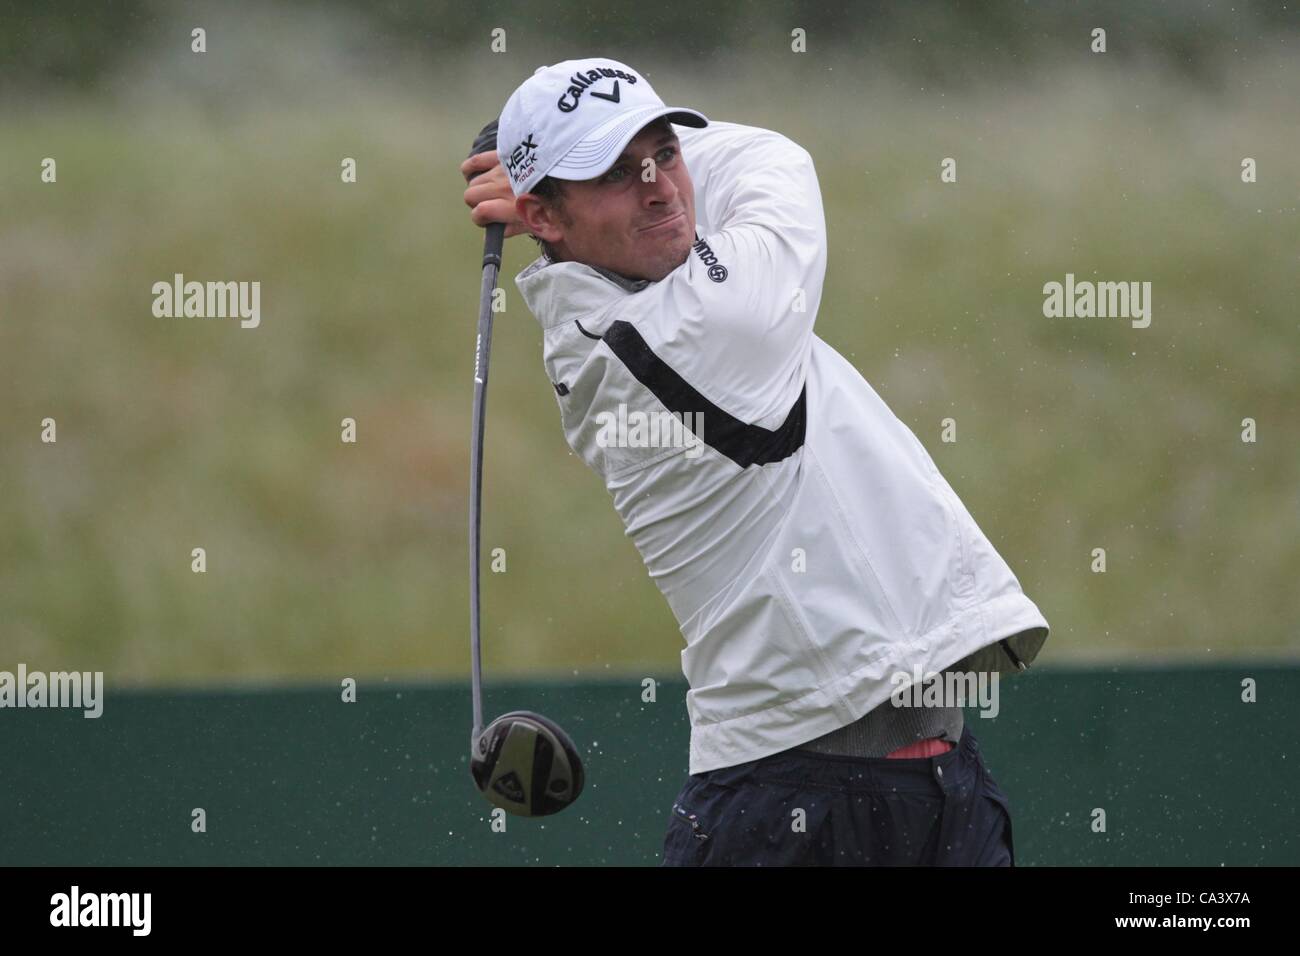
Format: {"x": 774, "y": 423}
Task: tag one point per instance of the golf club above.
{"x": 522, "y": 762}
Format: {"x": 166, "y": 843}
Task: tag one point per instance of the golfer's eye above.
{"x": 609, "y": 176}
{"x": 671, "y": 153}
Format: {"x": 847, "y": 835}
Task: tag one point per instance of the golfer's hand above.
{"x": 489, "y": 195}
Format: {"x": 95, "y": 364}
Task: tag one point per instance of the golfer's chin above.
{"x": 664, "y": 256}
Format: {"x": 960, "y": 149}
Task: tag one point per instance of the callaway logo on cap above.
{"x": 572, "y": 120}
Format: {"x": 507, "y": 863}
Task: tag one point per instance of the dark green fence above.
{"x": 1187, "y": 773}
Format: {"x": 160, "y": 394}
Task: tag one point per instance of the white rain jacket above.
{"x": 805, "y": 540}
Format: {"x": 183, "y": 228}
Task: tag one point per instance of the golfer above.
{"x": 810, "y": 550}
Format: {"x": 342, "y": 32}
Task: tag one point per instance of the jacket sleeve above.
{"x": 736, "y": 319}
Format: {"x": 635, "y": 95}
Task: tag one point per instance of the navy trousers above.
{"x": 799, "y": 808}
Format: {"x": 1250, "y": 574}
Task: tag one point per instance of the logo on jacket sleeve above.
{"x": 717, "y": 271}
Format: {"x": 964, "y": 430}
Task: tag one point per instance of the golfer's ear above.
{"x": 524, "y": 206}
{"x": 534, "y": 214}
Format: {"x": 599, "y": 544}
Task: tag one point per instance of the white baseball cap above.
{"x": 572, "y": 120}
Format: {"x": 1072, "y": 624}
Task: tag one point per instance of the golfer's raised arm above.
{"x": 746, "y": 300}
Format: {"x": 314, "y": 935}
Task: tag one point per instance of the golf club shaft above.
{"x": 493, "y": 241}
{"x": 483, "y": 347}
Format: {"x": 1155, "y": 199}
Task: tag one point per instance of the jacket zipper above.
{"x": 1012, "y": 654}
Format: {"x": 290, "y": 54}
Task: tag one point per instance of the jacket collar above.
{"x": 558, "y": 292}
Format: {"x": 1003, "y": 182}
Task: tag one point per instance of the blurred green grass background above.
{"x": 327, "y": 559}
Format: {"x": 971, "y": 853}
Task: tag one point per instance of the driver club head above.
{"x": 526, "y": 765}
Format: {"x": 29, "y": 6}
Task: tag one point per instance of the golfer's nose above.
{"x": 660, "y": 190}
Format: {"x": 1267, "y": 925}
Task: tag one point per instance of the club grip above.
{"x": 496, "y": 232}
{"x": 486, "y": 139}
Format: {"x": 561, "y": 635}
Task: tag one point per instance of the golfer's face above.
{"x": 637, "y": 219}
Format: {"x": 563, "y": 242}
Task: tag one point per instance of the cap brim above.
{"x": 595, "y": 153}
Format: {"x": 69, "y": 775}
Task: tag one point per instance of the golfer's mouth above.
{"x": 670, "y": 222}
